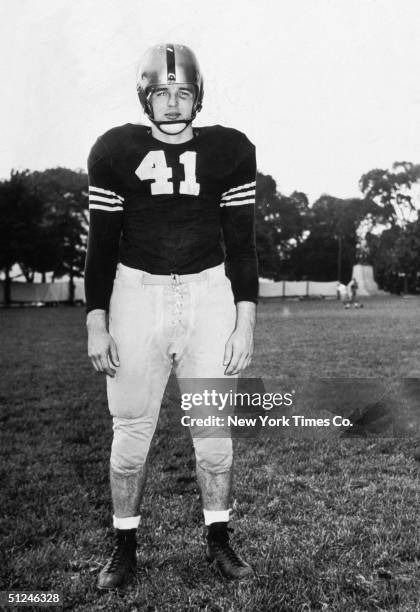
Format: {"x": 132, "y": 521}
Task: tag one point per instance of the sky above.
{"x": 326, "y": 89}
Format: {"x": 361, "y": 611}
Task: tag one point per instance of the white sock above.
{"x": 216, "y": 516}
{"x": 130, "y": 522}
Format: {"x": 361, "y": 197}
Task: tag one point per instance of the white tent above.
{"x": 364, "y": 277}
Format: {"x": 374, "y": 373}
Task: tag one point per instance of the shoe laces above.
{"x": 119, "y": 553}
{"x": 225, "y": 550}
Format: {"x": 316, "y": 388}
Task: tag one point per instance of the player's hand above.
{"x": 102, "y": 349}
{"x": 238, "y": 350}
{"x": 240, "y": 346}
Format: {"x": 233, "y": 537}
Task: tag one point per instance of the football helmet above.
{"x": 167, "y": 64}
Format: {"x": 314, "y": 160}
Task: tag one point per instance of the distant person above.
{"x": 353, "y": 287}
{"x": 342, "y": 293}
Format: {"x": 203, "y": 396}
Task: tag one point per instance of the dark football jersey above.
{"x": 171, "y": 208}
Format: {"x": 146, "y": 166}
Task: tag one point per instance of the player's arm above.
{"x": 238, "y": 224}
{"x": 105, "y": 212}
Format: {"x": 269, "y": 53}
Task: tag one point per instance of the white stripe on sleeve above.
{"x": 239, "y": 188}
{"x": 110, "y": 201}
{"x": 105, "y": 192}
{"x": 251, "y": 192}
{"x": 107, "y": 208}
{"x": 237, "y": 202}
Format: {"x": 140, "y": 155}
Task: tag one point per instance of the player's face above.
{"x": 172, "y": 103}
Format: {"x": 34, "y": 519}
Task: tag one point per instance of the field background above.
{"x": 328, "y": 524}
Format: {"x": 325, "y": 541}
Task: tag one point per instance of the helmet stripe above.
{"x": 170, "y": 63}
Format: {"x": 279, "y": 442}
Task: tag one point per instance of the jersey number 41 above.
{"x": 153, "y": 167}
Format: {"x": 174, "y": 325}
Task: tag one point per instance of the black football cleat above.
{"x": 122, "y": 564}
{"x": 229, "y": 564}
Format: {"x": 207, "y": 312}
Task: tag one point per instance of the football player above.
{"x": 171, "y": 207}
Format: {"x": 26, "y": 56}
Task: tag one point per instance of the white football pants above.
{"x": 158, "y": 322}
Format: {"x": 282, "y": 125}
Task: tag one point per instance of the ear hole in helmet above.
{"x": 148, "y": 108}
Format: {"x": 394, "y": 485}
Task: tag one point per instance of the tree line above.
{"x": 44, "y": 221}
{"x": 323, "y": 241}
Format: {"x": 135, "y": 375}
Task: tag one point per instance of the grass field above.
{"x": 328, "y": 524}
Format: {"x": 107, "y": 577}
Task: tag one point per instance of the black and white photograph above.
{"x": 210, "y": 305}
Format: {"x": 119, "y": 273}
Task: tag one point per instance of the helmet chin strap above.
{"x": 161, "y": 126}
